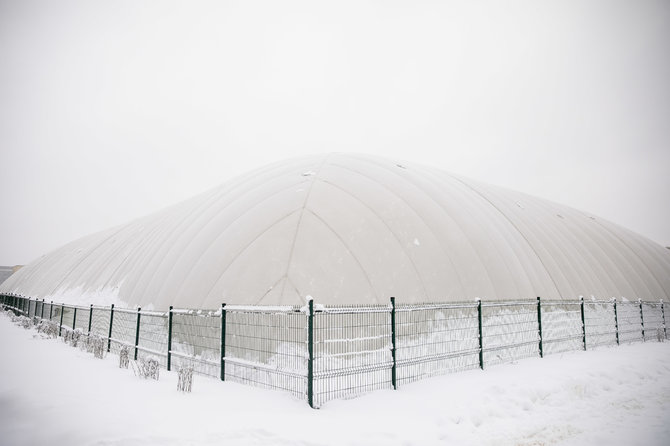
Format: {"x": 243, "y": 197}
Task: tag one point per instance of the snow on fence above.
{"x": 322, "y": 353}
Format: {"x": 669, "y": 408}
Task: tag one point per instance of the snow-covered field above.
{"x": 53, "y": 394}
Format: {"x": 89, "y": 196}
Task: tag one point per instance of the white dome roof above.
{"x": 350, "y": 229}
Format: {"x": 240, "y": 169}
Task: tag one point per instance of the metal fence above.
{"x": 322, "y": 353}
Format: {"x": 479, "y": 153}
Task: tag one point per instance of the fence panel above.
{"x": 32, "y": 305}
{"x": 54, "y": 311}
{"x": 124, "y": 327}
{"x": 352, "y": 351}
{"x": 196, "y": 341}
{"x": 83, "y": 314}
{"x": 100, "y": 321}
{"x": 435, "y": 339}
{"x": 510, "y": 332}
{"x": 561, "y": 326}
{"x": 653, "y": 321}
{"x": 599, "y": 323}
{"x": 153, "y": 336}
{"x": 628, "y": 318}
{"x": 68, "y": 316}
{"x": 267, "y": 347}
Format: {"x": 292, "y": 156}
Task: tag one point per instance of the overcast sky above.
{"x": 112, "y": 110}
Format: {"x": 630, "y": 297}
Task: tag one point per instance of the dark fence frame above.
{"x": 321, "y": 353}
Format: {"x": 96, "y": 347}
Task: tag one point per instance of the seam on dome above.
{"x": 402, "y": 248}
{"x": 556, "y": 244}
{"x": 416, "y": 213}
{"x": 147, "y": 250}
{"x": 95, "y": 271}
{"x": 188, "y": 272}
{"x": 295, "y": 288}
{"x": 353, "y": 256}
{"x": 272, "y": 287}
{"x": 532, "y": 248}
{"x": 651, "y": 272}
{"x": 441, "y": 181}
{"x": 155, "y": 231}
{"x": 585, "y": 254}
{"x": 51, "y": 262}
{"x": 88, "y": 254}
{"x": 444, "y": 211}
{"x": 622, "y": 268}
{"x": 302, "y": 211}
{"x": 224, "y": 192}
{"x": 239, "y": 253}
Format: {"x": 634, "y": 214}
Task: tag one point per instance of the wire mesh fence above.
{"x": 38, "y": 309}
{"x": 152, "y": 340}
{"x": 322, "y": 353}
{"x": 561, "y": 326}
{"x": 509, "y": 332}
{"x": 32, "y": 306}
{"x": 352, "y": 351}
{"x": 266, "y": 347}
{"x": 599, "y": 323}
{"x": 100, "y": 321}
{"x": 67, "y": 317}
{"x": 652, "y": 317}
{"x": 196, "y": 341}
{"x": 435, "y": 339}
{"x": 124, "y": 327}
{"x": 629, "y": 322}
{"x": 81, "y": 318}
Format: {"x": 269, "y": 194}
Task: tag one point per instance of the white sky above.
{"x": 111, "y": 110}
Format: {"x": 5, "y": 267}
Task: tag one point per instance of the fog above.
{"x": 112, "y": 110}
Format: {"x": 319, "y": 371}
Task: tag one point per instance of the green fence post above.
{"x": 137, "y": 332}
{"x": 42, "y": 312}
{"x": 665, "y": 333}
{"x": 90, "y": 319}
{"x": 74, "y": 318}
{"x": 616, "y": 322}
{"x": 51, "y": 310}
{"x": 481, "y": 334}
{"x": 539, "y": 324}
{"x": 62, "y": 310}
{"x": 169, "y": 346}
{"x": 111, "y": 320}
{"x": 393, "y": 346}
{"x": 641, "y": 320}
{"x": 581, "y": 300}
{"x": 310, "y": 354}
{"x": 222, "y": 350}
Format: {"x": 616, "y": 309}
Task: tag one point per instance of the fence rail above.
{"x": 319, "y": 353}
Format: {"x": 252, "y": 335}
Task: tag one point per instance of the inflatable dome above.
{"x": 350, "y": 229}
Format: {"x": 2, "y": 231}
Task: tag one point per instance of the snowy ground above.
{"x": 52, "y": 394}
